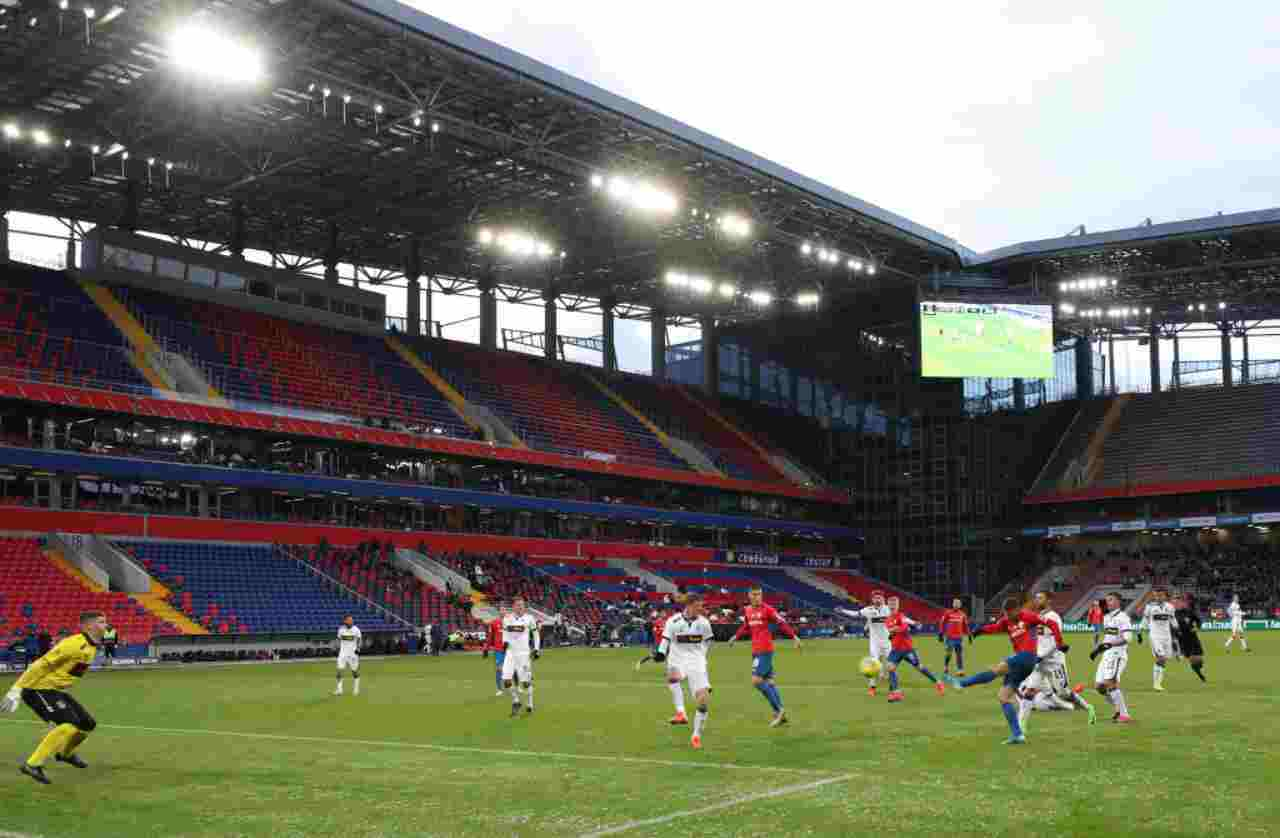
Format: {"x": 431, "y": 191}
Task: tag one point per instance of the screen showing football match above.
{"x": 986, "y": 340}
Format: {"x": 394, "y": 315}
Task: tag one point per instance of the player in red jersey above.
{"x": 903, "y": 649}
{"x": 756, "y": 618}
{"x": 1095, "y": 619}
{"x": 952, "y": 630}
{"x": 493, "y": 643}
{"x": 1017, "y": 622}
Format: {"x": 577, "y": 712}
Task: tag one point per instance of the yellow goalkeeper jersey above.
{"x": 65, "y": 663}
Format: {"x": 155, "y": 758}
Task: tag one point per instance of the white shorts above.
{"x": 880, "y": 649}
{"x": 519, "y": 664}
{"x": 1111, "y": 667}
{"x": 349, "y": 660}
{"x": 1162, "y": 647}
{"x": 1237, "y": 626}
{"x": 697, "y": 679}
{"x": 1049, "y": 678}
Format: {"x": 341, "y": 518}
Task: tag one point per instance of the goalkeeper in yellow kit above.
{"x": 43, "y": 688}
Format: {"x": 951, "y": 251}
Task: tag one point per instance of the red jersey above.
{"x": 659, "y": 623}
{"x": 1095, "y": 616}
{"x": 1020, "y": 635}
{"x": 757, "y": 620}
{"x": 955, "y": 624}
{"x": 493, "y": 640}
{"x": 899, "y": 626}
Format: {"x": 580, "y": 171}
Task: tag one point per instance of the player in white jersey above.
{"x": 1236, "y": 614}
{"x": 521, "y": 645}
{"x": 1158, "y": 620}
{"x": 349, "y": 654}
{"x": 1048, "y": 687}
{"x": 1114, "y": 649}
{"x": 686, "y": 639}
{"x": 878, "y": 632}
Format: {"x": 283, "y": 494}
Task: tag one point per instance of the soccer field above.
{"x": 1009, "y": 346}
{"x": 427, "y": 749}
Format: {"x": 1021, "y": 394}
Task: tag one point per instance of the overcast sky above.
{"x": 990, "y": 122}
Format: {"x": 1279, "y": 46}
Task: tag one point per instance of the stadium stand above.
{"x": 38, "y": 596}
{"x": 861, "y": 587}
{"x": 249, "y": 588}
{"x": 53, "y": 332}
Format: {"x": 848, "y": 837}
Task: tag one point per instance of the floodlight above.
{"x": 856, "y": 264}
{"x": 111, "y": 15}
{"x": 1202, "y": 306}
{"x": 377, "y": 108}
{"x": 808, "y": 298}
{"x": 66, "y": 143}
{"x": 485, "y": 237}
{"x": 12, "y": 131}
{"x": 90, "y": 12}
{"x": 1190, "y": 307}
{"x": 674, "y": 278}
{"x": 1148, "y": 309}
{"x": 40, "y": 137}
{"x": 168, "y": 167}
{"x": 95, "y": 150}
{"x": 64, "y": 5}
{"x": 346, "y": 98}
{"x": 203, "y": 51}
{"x": 806, "y": 248}
{"x": 435, "y": 128}
{"x": 417, "y": 121}
{"x": 151, "y": 161}
{"x": 702, "y": 285}
{"x": 760, "y": 298}
{"x": 124, "y": 155}
{"x": 326, "y": 92}
{"x": 727, "y": 290}
{"x": 1221, "y": 306}
{"x": 597, "y": 181}
{"x": 871, "y": 268}
{"x": 544, "y": 250}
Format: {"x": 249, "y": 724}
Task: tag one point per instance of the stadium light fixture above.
{"x": 597, "y": 181}
{"x": 417, "y": 120}
{"x": 112, "y": 13}
{"x": 12, "y": 131}
{"x": 735, "y": 225}
{"x": 435, "y": 128}
{"x": 1221, "y": 306}
{"x": 66, "y": 143}
{"x": 728, "y": 290}
{"x": 485, "y": 237}
{"x": 640, "y": 195}
{"x": 1066, "y": 308}
{"x": 1201, "y": 306}
{"x": 806, "y": 249}
{"x": 1148, "y": 309}
{"x": 41, "y": 137}
{"x": 760, "y": 298}
{"x": 871, "y": 269}
{"x": 197, "y": 49}
{"x": 808, "y": 298}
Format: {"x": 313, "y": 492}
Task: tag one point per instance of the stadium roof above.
{"x": 428, "y": 133}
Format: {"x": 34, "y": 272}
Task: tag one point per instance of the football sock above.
{"x": 1244, "y": 644}
{"x": 677, "y": 697}
{"x": 924, "y": 670}
{"x": 1024, "y": 712}
{"x": 1228, "y": 646}
{"x": 960, "y": 658}
{"x": 51, "y": 744}
{"x": 529, "y": 695}
{"x": 946, "y": 662}
{"x": 497, "y": 677}
{"x": 985, "y": 677}
{"x": 355, "y": 683}
{"x": 1117, "y": 699}
{"x": 871, "y": 682}
{"x": 1157, "y": 675}
{"x": 1011, "y": 716}
{"x": 699, "y": 719}
{"x": 893, "y": 680}
{"x": 1079, "y": 701}
{"x": 777, "y": 696}
{"x": 1198, "y": 669}
{"x": 339, "y": 680}
{"x": 770, "y": 695}
{"x": 73, "y": 742}
{"x": 515, "y": 693}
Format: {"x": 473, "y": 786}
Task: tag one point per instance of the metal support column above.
{"x": 610, "y": 360}
{"x": 1177, "y": 364}
{"x": 1228, "y": 374}
{"x": 1084, "y": 367}
{"x": 331, "y": 255}
{"x": 754, "y": 377}
{"x": 4, "y": 237}
{"x": 1019, "y": 394}
{"x": 236, "y": 245}
{"x": 658, "y": 343}
{"x": 488, "y": 314}
{"x": 413, "y": 288}
{"x": 1244, "y": 355}
{"x": 1154, "y": 337}
{"x": 202, "y": 501}
{"x": 1111, "y": 360}
{"x": 550, "y": 337}
{"x": 129, "y": 212}
{"x": 710, "y": 356}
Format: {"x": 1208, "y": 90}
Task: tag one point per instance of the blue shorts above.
{"x": 499, "y": 657}
{"x": 762, "y": 664}
{"x": 910, "y": 656}
{"x": 955, "y": 644}
{"x": 1021, "y": 666}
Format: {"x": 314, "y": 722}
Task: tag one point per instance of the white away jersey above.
{"x": 686, "y": 642}
{"x": 1158, "y": 619}
{"x": 1116, "y": 628}
{"x": 1235, "y": 612}
{"x": 519, "y": 632}
{"x": 348, "y": 640}
{"x": 876, "y": 628}
{"x": 1046, "y": 646}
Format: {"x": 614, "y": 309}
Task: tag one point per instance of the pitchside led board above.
{"x": 986, "y": 340}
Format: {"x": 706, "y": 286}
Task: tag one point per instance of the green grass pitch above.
{"x": 427, "y": 749}
{"x": 1009, "y": 346}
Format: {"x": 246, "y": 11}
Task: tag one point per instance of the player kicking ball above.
{"x": 756, "y": 618}
{"x": 875, "y": 614}
{"x": 521, "y": 644}
{"x": 1017, "y": 622}
{"x": 686, "y": 638}
{"x": 349, "y": 654}
{"x": 1049, "y": 686}
{"x": 899, "y": 626}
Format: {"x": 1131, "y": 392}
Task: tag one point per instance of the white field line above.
{"x": 740, "y": 800}
{"x": 448, "y": 749}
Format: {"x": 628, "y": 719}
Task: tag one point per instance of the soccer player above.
{"x": 756, "y": 618}
{"x": 1017, "y": 622}
{"x": 1114, "y": 649}
{"x": 1236, "y": 613}
{"x": 659, "y": 620}
{"x": 493, "y": 643}
{"x": 521, "y": 644}
{"x": 899, "y": 626}
{"x": 349, "y": 654}
{"x": 1049, "y": 686}
{"x": 686, "y": 638}
{"x": 1095, "y": 619}
{"x": 875, "y": 614}
{"x": 43, "y": 688}
{"x": 1187, "y": 618}
{"x": 952, "y": 631}
{"x": 1158, "y": 619}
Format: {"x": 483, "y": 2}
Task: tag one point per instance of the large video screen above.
{"x": 986, "y": 340}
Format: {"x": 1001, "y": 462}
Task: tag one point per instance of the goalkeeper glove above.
{"x": 11, "y": 700}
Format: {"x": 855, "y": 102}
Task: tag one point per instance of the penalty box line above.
{"x": 448, "y": 749}
{"x": 740, "y": 800}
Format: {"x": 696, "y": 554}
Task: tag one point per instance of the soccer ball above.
{"x": 871, "y": 667}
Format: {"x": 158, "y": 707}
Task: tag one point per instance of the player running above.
{"x": 1114, "y": 649}
{"x": 1049, "y": 686}
{"x": 522, "y": 644}
{"x": 349, "y": 654}
{"x": 899, "y": 626}
{"x": 686, "y": 639}
{"x": 1095, "y": 619}
{"x": 1017, "y": 622}
{"x": 952, "y": 631}
{"x": 1187, "y": 619}
{"x": 875, "y": 614}
{"x": 1236, "y": 613}
{"x": 493, "y": 643}
{"x": 756, "y": 618}
{"x": 659, "y": 621}
{"x": 1158, "y": 618}
{"x": 43, "y": 688}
